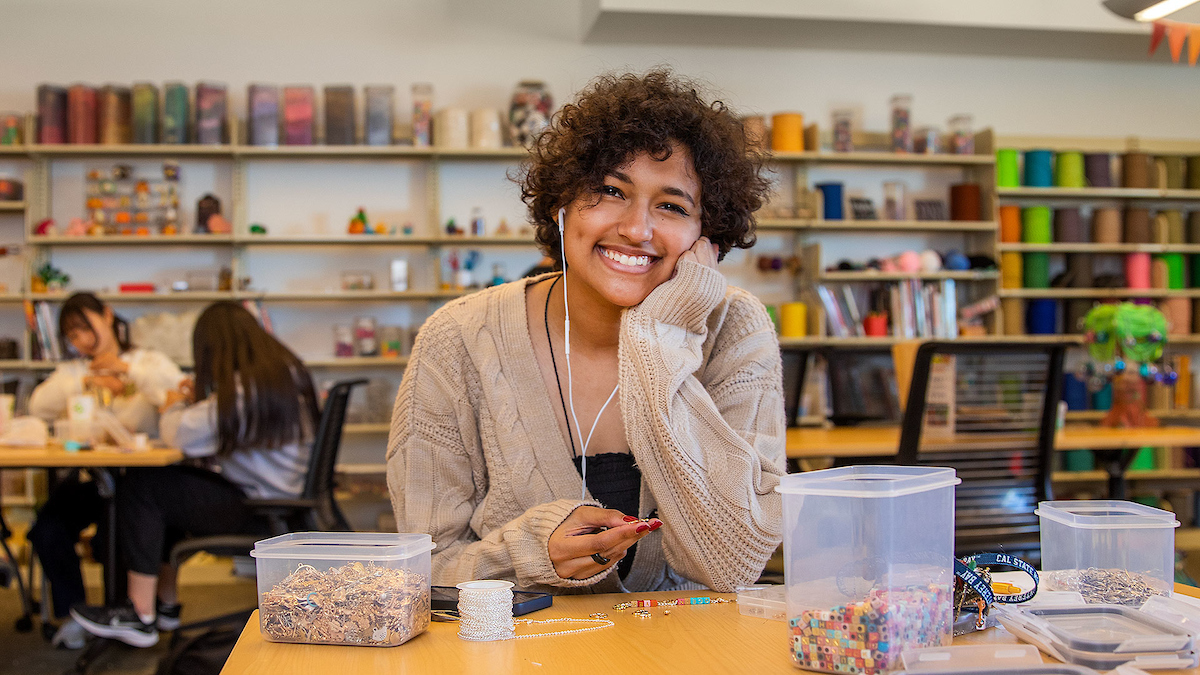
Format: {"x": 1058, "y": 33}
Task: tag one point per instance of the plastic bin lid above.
{"x": 1105, "y": 514}
{"x": 941, "y": 659}
{"x": 868, "y": 481}
{"x": 767, "y": 596}
{"x": 1100, "y": 628}
{"x": 1115, "y": 661}
{"x": 374, "y": 546}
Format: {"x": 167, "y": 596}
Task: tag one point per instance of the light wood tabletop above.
{"x": 54, "y": 456}
{"x": 693, "y": 639}
{"x": 808, "y": 442}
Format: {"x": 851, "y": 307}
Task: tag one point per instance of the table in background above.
{"x": 693, "y": 639}
{"x": 1115, "y": 447}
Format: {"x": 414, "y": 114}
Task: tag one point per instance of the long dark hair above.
{"x": 72, "y": 315}
{"x": 279, "y": 404}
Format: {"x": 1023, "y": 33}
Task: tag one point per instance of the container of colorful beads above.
{"x": 869, "y": 565}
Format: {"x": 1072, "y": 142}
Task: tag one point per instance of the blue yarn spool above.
{"x": 831, "y": 194}
{"x": 1102, "y": 399}
{"x": 1041, "y": 317}
{"x": 1075, "y": 392}
{"x": 1039, "y": 168}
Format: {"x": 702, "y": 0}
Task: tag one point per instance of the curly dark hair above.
{"x": 619, "y": 116}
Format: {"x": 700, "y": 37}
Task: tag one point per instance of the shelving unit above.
{"x": 877, "y": 225}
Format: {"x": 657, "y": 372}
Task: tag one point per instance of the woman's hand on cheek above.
{"x": 703, "y": 252}
{"x": 590, "y": 530}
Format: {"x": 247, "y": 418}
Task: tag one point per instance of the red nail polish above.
{"x": 657, "y": 524}
{"x": 643, "y": 528}
{"x": 629, "y": 519}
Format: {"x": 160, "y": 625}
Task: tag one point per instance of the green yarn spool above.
{"x": 1008, "y": 169}
{"x": 1176, "y": 273}
{"x": 1079, "y": 460}
{"x": 1036, "y": 225}
{"x": 1068, "y": 170}
{"x": 1037, "y": 270}
{"x": 1143, "y": 460}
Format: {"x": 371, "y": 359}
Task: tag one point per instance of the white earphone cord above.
{"x": 567, "y": 349}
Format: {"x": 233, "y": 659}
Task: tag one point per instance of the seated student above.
{"x": 519, "y": 456}
{"x": 137, "y": 381}
{"x": 250, "y": 416}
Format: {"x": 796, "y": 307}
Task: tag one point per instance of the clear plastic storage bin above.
{"x": 1110, "y": 551}
{"x": 869, "y": 563}
{"x": 343, "y": 588}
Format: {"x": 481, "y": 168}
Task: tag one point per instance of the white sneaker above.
{"x": 70, "y": 635}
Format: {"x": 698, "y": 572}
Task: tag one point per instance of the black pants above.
{"x": 158, "y": 507}
{"x": 72, "y": 506}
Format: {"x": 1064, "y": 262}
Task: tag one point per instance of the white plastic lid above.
{"x": 868, "y": 481}
{"x": 1104, "y": 628}
{"x": 1094, "y": 514}
{"x": 374, "y": 546}
{"x": 997, "y": 658}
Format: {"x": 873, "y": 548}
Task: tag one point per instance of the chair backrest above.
{"x": 987, "y": 409}
{"x": 795, "y": 370}
{"x": 323, "y": 459}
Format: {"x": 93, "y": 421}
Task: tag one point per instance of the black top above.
{"x": 615, "y": 481}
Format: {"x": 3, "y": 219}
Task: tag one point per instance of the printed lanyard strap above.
{"x": 973, "y": 579}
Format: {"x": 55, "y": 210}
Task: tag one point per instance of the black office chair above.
{"x": 998, "y": 401}
{"x": 314, "y": 510}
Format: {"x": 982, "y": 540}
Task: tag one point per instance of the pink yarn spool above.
{"x": 1137, "y": 270}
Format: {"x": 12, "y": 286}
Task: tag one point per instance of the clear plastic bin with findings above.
{"x": 869, "y": 565}
{"x": 343, "y": 588}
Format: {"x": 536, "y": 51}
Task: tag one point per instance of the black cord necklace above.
{"x": 554, "y": 362}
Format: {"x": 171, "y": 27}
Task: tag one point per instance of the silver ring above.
{"x": 600, "y": 560}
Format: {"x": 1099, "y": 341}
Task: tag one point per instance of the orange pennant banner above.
{"x": 1193, "y": 44}
{"x": 1176, "y": 34}
{"x": 1156, "y": 37}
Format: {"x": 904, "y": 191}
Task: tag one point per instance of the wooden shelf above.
{"x": 367, "y": 428}
{"x": 182, "y": 296}
{"x": 334, "y": 296}
{"x": 1097, "y": 415}
{"x": 883, "y": 342}
{"x": 1143, "y": 475}
{"x": 12, "y": 298}
{"x": 883, "y": 158}
{"x": 264, "y": 152}
{"x": 358, "y": 362}
{"x": 873, "y": 275}
{"x": 333, "y": 240}
{"x": 1088, "y": 247}
{"x": 877, "y": 225}
{"x": 10, "y": 206}
{"x": 1025, "y": 193}
{"x": 131, "y": 240}
{"x": 151, "y": 150}
{"x": 1067, "y": 293}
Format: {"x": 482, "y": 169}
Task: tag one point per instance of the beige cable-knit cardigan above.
{"x": 476, "y": 457}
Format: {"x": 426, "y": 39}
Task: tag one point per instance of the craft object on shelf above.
{"x": 1125, "y": 346}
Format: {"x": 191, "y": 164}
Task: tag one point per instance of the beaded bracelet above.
{"x": 672, "y": 601}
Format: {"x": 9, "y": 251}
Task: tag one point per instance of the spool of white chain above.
{"x": 485, "y": 610}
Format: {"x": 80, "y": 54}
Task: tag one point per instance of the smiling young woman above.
{"x": 626, "y": 413}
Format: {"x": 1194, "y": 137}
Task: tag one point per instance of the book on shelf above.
{"x": 115, "y": 117}
{"x": 44, "y": 344}
{"x": 263, "y": 114}
{"x": 918, "y": 309}
{"x": 380, "y": 113}
{"x": 52, "y": 114}
{"x": 81, "y": 114}
{"x": 145, "y": 113}
{"x": 211, "y": 102}
{"x": 259, "y": 311}
{"x": 299, "y": 104}
{"x": 339, "y": 115}
{"x": 176, "y": 113}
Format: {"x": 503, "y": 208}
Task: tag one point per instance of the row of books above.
{"x": 44, "y": 345}
{"x": 114, "y": 114}
{"x": 917, "y": 309}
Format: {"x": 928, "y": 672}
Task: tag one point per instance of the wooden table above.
{"x": 1115, "y": 447}
{"x": 693, "y": 639}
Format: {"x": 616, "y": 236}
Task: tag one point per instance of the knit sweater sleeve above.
{"x": 437, "y": 474}
{"x": 711, "y": 451}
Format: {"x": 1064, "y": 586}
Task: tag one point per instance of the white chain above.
{"x": 601, "y": 623}
{"x": 485, "y": 614}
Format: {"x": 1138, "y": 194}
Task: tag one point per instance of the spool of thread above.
{"x": 1038, "y": 168}
{"x": 1106, "y": 225}
{"x": 831, "y": 194}
{"x": 787, "y": 132}
{"x": 1074, "y": 314}
{"x": 485, "y": 610}
{"x": 485, "y": 128}
{"x": 793, "y": 319}
{"x": 1160, "y": 228}
{"x": 451, "y": 128}
{"x": 1102, "y": 399}
{"x": 1010, "y": 224}
{"x": 1176, "y": 232}
{"x": 1135, "y": 170}
{"x": 1068, "y": 170}
{"x": 1196, "y": 316}
{"x": 1193, "y": 267}
{"x": 1036, "y": 270}
{"x": 965, "y": 202}
{"x": 1137, "y": 226}
{"x": 1011, "y": 274}
{"x": 1176, "y": 270}
{"x": 1008, "y": 170}
{"x": 1041, "y": 317}
{"x": 1097, "y": 169}
{"x": 1035, "y": 225}
{"x": 1175, "y": 166}
{"x": 1178, "y": 312}
{"x": 1193, "y": 172}
{"x": 1137, "y": 270}
{"x": 1075, "y": 392}
{"x": 1193, "y": 227}
{"x": 1080, "y": 273}
{"x": 1013, "y": 310}
{"x": 756, "y": 131}
{"x": 1068, "y": 226}
{"x": 1158, "y": 272}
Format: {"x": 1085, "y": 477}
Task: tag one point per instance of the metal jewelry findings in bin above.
{"x": 869, "y": 565}
{"x": 344, "y": 588}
